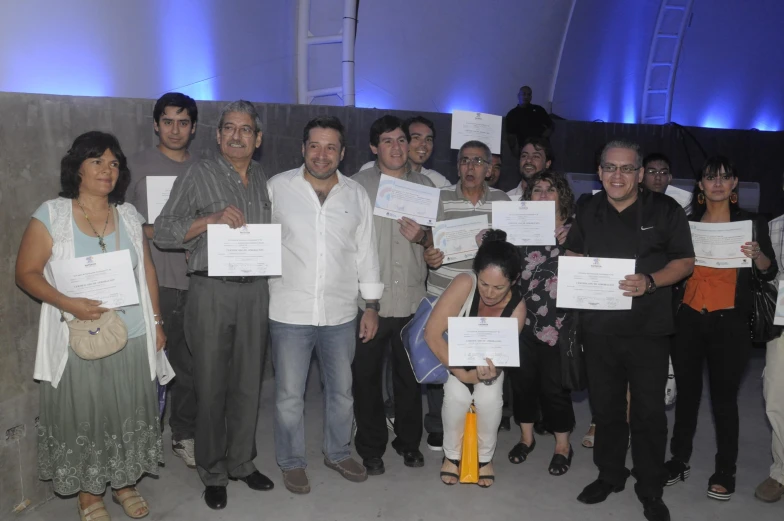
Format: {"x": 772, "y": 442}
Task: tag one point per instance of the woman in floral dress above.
{"x": 538, "y": 379}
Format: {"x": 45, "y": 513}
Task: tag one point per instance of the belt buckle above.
{"x": 703, "y": 311}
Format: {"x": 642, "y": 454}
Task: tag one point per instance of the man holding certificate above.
{"x": 470, "y": 197}
{"x": 400, "y": 246}
{"x": 329, "y": 259}
{"x": 225, "y": 317}
{"x": 174, "y": 121}
{"x": 630, "y": 348}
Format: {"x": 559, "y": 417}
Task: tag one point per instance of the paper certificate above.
{"x": 526, "y": 223}
{"x": 456, "y": 238}
{"x": 592, "y": 283}
{"x": 252, "y": 250}
{"x": 717, "y": 245}
{"x": 107, "y": 277}
{"x": 397, "y": 198}
{"x": 476, "y": 126}
{"x": 778, "y": 318}
{"x": 682, "y": 196}
{"x": 472, "y": 339}
{"x": 158, "y": 191}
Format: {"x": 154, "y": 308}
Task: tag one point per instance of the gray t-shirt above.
{"x": 169, "y": 264}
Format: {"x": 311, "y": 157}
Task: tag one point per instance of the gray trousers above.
{"x": 226, "y": 330}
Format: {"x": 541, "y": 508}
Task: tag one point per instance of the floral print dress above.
{"x": 539, "y": 285}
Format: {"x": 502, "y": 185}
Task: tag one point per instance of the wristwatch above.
{"x": 423, "y": 240}
{"x": 375, "y": 306}
{"x": 651, "y": 284}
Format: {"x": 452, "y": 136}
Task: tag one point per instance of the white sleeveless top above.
{"x": 52, "y": 351}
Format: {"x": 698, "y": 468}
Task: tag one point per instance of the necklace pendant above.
{"x": 102, "y": 244}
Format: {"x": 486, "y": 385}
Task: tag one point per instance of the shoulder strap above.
{"x": 467, "y": 304}
{"x": 116, "y": 228}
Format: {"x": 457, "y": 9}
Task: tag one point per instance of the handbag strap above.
{"x": 464, "y": 311}
{"x": 116, "y": 228}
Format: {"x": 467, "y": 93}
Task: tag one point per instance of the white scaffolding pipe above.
{"x": 551, "y": 95}
{"x": 346, "y": 39}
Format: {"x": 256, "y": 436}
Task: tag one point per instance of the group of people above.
{"x": 350, "y": 282}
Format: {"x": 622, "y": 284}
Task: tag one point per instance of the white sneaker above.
{"x": 183, "y": 449}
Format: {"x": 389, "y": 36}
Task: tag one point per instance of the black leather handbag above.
{"x": 763, "y": 309}
{"x": 573, "y": 374}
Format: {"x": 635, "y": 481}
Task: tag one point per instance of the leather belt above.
{"x": 237, "y": 280}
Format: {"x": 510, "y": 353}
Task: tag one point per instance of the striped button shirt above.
{"x": 209, "y": 185}
{"x": 454, "y": 205}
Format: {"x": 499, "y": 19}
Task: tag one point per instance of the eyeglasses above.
{"x": 476, "y": 161}
{"x": 724, "y": 178}
{"x": 245, "y": 130}
{"x": 625, "y": 169}
{"x": 652, "y": 172}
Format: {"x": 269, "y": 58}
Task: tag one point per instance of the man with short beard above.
{"x": 535, "y": 156}
{"x": 329, "y": 259}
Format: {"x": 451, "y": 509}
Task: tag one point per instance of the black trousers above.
{"x": 538, "y": 381}
{"x": 722, "y": 339}
{"x": 641, "y": 363}
{"x": 182, "y": 395}
{"x": 367, "y": 370}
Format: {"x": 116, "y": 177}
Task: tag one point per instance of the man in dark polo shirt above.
{"x": 526, "y": 120}
{"x": 631, "y": 347}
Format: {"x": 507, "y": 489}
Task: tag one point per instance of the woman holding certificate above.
{"x": 99, "y": 419}
{"x": 712, "y": 325}
{"x": 496, "y": 270}
{"x": 538, "y": 379}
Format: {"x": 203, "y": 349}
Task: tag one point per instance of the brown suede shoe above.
{"x": 296, "y": 481}
{"x": 349, "y": 468}
{"x": 769, "y": 491}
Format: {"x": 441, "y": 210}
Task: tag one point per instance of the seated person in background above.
{"x": 497, "y": 269}
{"x": 658, "y": 173}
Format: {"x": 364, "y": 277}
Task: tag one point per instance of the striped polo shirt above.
{"x": 454, "y": 205}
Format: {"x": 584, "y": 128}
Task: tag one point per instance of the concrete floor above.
{"x": 524, "y": 491}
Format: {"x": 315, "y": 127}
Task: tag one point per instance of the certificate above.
{"x": 456, "y": 238}
{"x": 526, "y": 223}
{"x": 592, "y": 283}
{"x": 252, "y": 250}
{"x": 717, "y": 245}
{"x": 778, "y": 318}
{"x": 476, "y": 126}
{"x": 472, "y": 339}
{"x": 682, "y": 196}
{"x": 397, "y": 198}
{"x": 107, "y": 277}
{"x": 158, "y": 191}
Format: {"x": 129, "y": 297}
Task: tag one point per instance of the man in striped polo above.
{"x": 469, "y": 197}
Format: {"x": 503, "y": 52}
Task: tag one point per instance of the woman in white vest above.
{"x": 99, "y": 418}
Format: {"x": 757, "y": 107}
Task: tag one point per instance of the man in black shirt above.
{"x": 631, "y": 347}
{"x": 526, "y": 120}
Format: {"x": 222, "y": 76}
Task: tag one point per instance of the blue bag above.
{"x": 428, "y": 369}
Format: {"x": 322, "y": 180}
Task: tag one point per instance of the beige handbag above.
{"x": 94, "y": 339}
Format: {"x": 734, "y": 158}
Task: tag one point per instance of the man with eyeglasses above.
{"x": 469, "y": 197}
{"x": 630, "y": 348}
{"x": 225, "y": 317}
{"x": 658, "y": 173}
{"x": 535, "y": 156}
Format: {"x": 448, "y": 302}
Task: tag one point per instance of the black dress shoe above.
{"x": 654, "y": 509}
{"x": 256, "y": 480}
{"x": 412, "y": 458}
{"x": 506, "y": 424}
{"x": 215, "y": 497}
{"x": 374, "y": 466}
{"x": 598, "y": 491}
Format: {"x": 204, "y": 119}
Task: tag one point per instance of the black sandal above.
{"x": 560, "y": 464}
{"x": 445, "y": 474}
{"x": 520, "y": 452}
{"x": 491, "y": 477}
{"x": 721, "y": 479}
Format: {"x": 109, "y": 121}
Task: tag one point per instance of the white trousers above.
{"x": 488, "y": 400}
{"x": 773, "y": 390}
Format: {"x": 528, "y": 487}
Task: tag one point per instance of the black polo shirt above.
{"x": 529, "y": 121}
{"x": 654, "y": 230}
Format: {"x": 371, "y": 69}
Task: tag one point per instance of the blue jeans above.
{"x": 292, "y": 347}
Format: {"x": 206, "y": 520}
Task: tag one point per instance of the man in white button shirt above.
{"x": 329, "y": 258}
{"x": 535, "y": 156}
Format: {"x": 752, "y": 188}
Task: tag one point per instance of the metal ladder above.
{"x": 346, "y": 38}
{"x": 674, "y": 16}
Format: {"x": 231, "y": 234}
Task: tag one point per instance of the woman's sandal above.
{"x": 520, "y": 452}
{"x": 560, "y": 464}
{"x": 490, "y": 477}
{"x": 588, "y": 439}
{"x": 95, "y": 512}
{"x": 131, "y": 501}
{"x": 724, "y": 480}
{"x": 445, "y": 474}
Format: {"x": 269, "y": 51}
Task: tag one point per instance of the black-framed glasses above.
{"x": 625, "y": 169}
{"x": 476, "y": 161}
